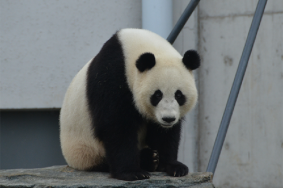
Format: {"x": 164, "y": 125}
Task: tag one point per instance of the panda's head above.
{"x": 160, "y": 79}
{"x": 164, "y": 89}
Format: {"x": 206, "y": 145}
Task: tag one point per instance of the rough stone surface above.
{"x": 63, "y": 176}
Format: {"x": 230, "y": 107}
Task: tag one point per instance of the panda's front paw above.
{"x": 132, "y": 176}
{"x": 149, "y": 159}
{"x": 177, "y": 169}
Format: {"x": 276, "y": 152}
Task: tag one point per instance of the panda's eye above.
{"x": 156, "y": 97}
{"x": 178, "y": 95}
{"x": 158, "y": 94}
{"x": 180, "y": 98}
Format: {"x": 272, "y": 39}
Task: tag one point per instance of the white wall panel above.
{"x": 45, "y": 43}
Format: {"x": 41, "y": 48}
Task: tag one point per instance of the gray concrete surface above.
{"x": 253, "y": 149}
{"x": 63, "y": 176}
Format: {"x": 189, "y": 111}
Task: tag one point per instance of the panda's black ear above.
{"x": 145, "y": 62}
{"x": 191, "y": 60}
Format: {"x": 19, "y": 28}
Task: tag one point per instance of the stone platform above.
{"x": 66, "y": 177}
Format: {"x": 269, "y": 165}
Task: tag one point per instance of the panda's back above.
{"x": 88, "y": 104}
{"x": 79, "y": 147}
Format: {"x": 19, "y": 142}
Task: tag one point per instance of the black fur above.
{"x": 166, "y": 142}
{"x": 116, "y": 121}
{"x": 156, "y": 97}
{"x": 180, "y": 98}
{"x": 102, "y": 167}
{"x": 149, "y": 159}
{"x": 191, "y": 60}
{"x": 145, "y": 62}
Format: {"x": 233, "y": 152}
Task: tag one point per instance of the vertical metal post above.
{"x": 182, "y": 21}
{"x": 236, "y": 87}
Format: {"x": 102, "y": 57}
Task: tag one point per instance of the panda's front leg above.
{"x": 174, "y": 168}
{"x": 149, "y": 159}
{"x": 166, "y": 142}
{"x": 122, "y": 154}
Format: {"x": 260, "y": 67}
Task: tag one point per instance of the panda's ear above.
{"x": 145, "y": 62}
{"x": 191, "y": 60}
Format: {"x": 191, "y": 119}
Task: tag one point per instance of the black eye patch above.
{"x": 156, "y": 97}
{"x": 180, "y": 98}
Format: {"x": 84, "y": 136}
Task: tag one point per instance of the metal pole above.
{"x": 236, "y": 87}
{"x": 182, "y": 21}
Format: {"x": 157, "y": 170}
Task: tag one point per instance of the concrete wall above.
{"x": 45, "y": 43}
{"x": 252, "y": 155}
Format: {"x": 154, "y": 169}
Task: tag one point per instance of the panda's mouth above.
{"x": 167, "y": 125}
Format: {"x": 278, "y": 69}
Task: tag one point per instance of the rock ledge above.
{"x": 63, "y": 177}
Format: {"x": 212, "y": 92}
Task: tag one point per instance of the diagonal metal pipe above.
{"x": 236, "y": 87}
{"x": 182, "y": 21}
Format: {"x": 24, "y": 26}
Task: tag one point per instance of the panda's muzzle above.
{"x": 167, "y": 112}
{"x": 168, "y": 119}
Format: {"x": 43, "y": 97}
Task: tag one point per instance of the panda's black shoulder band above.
{"x": 145, "y": 62}
{"x": 191, "y": 60}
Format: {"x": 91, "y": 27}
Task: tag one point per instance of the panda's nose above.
{"x": 168, "y": 119}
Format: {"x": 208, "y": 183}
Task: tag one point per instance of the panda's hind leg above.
{"x": 103, "y": 166}
{"x": 149, "y": 159}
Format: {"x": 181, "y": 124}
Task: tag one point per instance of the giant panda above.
{"x": 122, "y": 112}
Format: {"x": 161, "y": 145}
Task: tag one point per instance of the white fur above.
{"x": 169, "y": 74}
{"x": 79, "y": 147}
{"x": 167, "y": 107}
